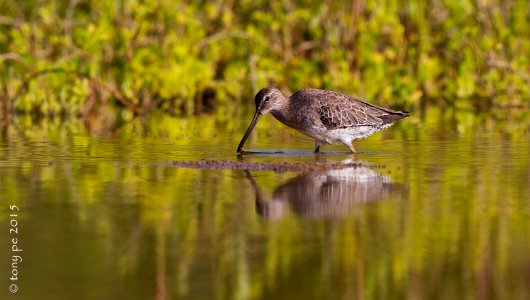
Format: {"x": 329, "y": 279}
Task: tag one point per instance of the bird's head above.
{"x": 267, "y": 100}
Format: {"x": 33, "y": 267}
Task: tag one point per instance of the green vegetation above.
{"x": 186, "y": 57}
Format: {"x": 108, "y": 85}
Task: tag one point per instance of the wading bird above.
{"x": 328, "y": 117}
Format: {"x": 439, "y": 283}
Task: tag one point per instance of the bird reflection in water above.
{"x": 329, "y": 194}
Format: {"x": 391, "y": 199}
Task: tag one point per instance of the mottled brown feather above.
{"x": 342, "y": 111}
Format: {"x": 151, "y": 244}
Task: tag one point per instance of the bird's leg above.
{"x": 317, "y": 146}
{"x": 352, "y": 149}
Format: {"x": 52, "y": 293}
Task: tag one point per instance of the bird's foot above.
{"x": 317, "y": 146}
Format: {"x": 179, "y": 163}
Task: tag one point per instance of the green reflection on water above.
{"x": 446, "y": 213}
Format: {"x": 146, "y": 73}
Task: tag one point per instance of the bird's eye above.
{"x": 266, "y": 99}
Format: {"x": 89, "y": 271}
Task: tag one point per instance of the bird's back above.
{"x": 337, "y": 110}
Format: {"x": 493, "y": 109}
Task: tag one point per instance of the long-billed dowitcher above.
{"x": 328, "y": 117}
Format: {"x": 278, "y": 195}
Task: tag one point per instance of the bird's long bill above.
{"x": 255, "y": 120}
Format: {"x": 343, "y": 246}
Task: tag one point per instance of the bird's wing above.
{"x": 341, "y": 111}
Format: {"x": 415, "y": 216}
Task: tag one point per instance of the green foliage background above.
{"x": 187, "y": 57}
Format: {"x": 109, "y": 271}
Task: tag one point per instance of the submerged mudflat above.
{"x": 279, "y": 167}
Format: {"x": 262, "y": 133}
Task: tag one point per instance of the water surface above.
{"x": 441, "y": 211}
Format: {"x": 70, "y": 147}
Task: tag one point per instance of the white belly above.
{"x": 343, "y": 135}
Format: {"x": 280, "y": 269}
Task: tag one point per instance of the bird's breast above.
{"x": 304, "y": 122}
{"x": 300, "y": 120}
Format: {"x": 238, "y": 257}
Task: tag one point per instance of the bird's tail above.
{"x": 393, "y": 116}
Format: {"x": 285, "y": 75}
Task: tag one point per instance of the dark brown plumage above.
{"x": 329, "y": 117}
